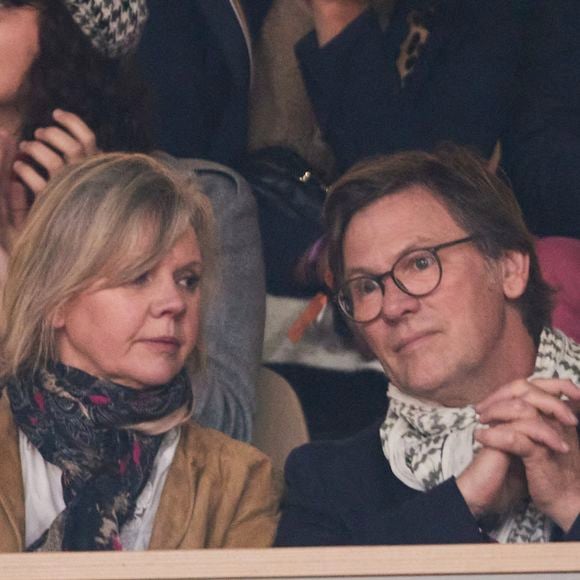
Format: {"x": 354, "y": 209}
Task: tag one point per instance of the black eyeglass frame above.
{"x": 380, "y": 279}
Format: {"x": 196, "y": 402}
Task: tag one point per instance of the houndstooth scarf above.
{"x": 104, "y": 437}
{"x": 426, "y": 443}
{"x": 113, "y": 27}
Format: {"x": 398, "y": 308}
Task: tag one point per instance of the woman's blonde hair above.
{"x": 90, "y": 223}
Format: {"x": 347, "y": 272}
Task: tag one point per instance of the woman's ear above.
{"x": 515, "y": 269}
{"x": 58, "y": 317}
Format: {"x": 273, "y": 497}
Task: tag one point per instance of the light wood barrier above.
{"x": 548, "y": 560}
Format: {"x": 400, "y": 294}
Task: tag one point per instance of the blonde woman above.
{"x": 101, "y": 339}
{"x": 69, "y": 87}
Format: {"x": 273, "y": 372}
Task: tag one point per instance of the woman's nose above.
{"x": 168, "y": 300}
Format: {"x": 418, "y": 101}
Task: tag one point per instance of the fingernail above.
{"x": 565, "y": 447}
{"x": 56, "y": 112}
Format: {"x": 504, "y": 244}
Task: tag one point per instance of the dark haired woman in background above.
{"x": 66, "y": 91}
{"x": 68, "y": 88}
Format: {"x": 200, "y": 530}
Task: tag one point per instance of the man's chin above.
{"x": 425, "y": 392}
{"x": 421, "y": 385}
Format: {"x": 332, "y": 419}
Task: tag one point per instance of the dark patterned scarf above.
{"x": 104, "y": 437}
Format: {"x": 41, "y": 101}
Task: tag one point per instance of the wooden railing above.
{"x": 360, "y": 562}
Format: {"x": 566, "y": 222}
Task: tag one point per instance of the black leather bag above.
{"x": 290, "y": 199}
{"x": 284, "y": 182}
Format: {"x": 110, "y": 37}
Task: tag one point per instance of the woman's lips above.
{"x": 168, "y": 344}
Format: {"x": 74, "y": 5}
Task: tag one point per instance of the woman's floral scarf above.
{"x": 104, "y": 437}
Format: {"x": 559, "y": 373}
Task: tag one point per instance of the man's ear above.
{"x": 515, "y": 271}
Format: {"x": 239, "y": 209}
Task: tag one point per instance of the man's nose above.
{"x": 396, "y": 303}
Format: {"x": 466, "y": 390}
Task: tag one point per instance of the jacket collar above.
{"x": 11, "y": 485}
{"x": 175, "y": 510}
{"x": 228, "y": 22}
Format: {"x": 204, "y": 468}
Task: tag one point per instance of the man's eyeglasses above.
{"x": 417, "y": 273}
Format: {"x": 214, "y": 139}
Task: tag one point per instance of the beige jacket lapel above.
{"x": 11, "y": 486}
{"x": 176, "y": 505}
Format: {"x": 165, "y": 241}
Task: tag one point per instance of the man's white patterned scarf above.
{"x": 427, "y": 444}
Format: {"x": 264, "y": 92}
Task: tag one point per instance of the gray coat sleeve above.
{"x": 234, "y": 321}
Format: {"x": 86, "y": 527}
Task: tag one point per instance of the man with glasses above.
{"x": 436, "y": 271}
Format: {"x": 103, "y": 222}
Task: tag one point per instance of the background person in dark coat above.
{"x": 407, "y": 76}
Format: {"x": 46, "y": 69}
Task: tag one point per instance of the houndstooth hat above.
{"x": 114, "y": 27}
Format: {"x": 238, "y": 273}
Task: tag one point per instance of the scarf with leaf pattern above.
{"x": 426, "y": 443}
{"x": 104, "y": 437}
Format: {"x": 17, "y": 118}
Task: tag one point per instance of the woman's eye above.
{"x": 141, "y": 280}
{"x": 190, "y": 282}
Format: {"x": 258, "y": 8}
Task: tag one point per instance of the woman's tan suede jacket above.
{"x": 219, "y": 493}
